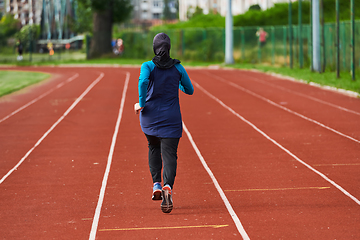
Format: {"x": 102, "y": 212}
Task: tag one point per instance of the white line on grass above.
{"x": 108, "y": 166}
{"x": 40, "y": 97}
{"x": 286, "y": 109}
{"x": 53, "y": 126}
{"x": 279, "y": 145}
{"x": 218, "y": 188}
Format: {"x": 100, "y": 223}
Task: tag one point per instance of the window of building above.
{"x": 157, "y": 3}
{"x": 156, "y": 15}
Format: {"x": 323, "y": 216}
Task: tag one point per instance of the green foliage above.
{"x": 83, "y": 22}
{"x": 198, "y": 11}
{"x": 27, "y": 34}
{"x": 201, "y": 20}
{"x": 121, "y": 9}
{"x": 255, "y": 7}
{"x": 8, "y": 27}
{"x": 167, "y": 13}
{"x": 277, "y": 15}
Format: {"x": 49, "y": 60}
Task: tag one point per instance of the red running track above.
{"x": 260, "y": 158}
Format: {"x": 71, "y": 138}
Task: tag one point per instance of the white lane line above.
{"x": 304, "y": 95}
{"x": 286, "y": 109}
{"x": 53, "y": 126}
{"x": 40, "y": 97}
{"x": 279, "y": 145}
{"x": 218, "y": 188}
{"x": 95, "y": 222}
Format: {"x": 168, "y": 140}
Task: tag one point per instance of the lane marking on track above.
{"x": 337, "y": 164}
{"x": 53, "y": 126}
{"x": 278, "y": 144}
{"x": 231, "y": 211}
{"x": 40, "y": 97}
{"x": 284, "y": 108}
{"x": 163, "y": 228}
{"x": 277, "y": 189}
{"x": 108, "y": 166}
{"x": 303, "y": 95}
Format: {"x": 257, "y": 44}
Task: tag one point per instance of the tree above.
{"x": 167, "y": 13}
{"x": 105, "y": 14}
{"x": 28, "y": 34}
{"x": 8, "y": 27}
{"x": 83, "y": 21}
{"x": 255, "y": 7}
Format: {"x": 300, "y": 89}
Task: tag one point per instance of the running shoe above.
{"x": 156, "y": 191}
{"x": 167, "y": 204}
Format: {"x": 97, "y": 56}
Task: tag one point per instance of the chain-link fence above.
{"x": 200, "y": 44}
{"x": 208, "y": 44}
{"x": 39, "y": 51}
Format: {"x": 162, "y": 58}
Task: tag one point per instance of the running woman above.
{"x": 160, "y": 117}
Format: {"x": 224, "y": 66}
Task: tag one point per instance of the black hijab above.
{"x": 161, "y": 46}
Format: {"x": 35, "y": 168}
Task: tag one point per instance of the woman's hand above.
{"x": 137, "y": 108}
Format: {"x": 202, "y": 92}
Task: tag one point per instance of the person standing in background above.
{"x": 262, "y": 36}
{"x": 19, "y": 48}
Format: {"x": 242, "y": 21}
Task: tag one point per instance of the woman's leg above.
{"x": 155, "y": 162}
{"x": 169, "y": 148}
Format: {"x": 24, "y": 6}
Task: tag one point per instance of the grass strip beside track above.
{"x": 11, "y": 81}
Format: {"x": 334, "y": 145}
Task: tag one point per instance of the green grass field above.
{"x": 11, "y": 81}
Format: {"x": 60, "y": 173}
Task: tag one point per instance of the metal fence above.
{"x": 208, "y": 44}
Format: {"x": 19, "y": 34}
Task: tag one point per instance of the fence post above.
{"x": 343, "y": 44}
{"x": 323, "y": 34}
{"x": 273, "y": 45}
{"x": 182, "y": 43}
{"x": 337, "y": 40}
{"x": 30, "y": 44}
{"x": 285, "y": 45}
{"x": 259, "y": 51}
{"x": 352, "y": 9}
{"x": 301, "y": 62}
{"x": 242, "y": 43}
{"x": 88, "y": 39}
{"x": 290, "y": 35}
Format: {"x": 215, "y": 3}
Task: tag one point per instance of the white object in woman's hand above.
{"x": 137, "y": 108}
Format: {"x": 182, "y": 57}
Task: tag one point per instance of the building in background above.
{"x": 151, "y": 12}
{"x": 219, "y": 6}
{"x": 2, "y": 7}
{"x": 27, "y": 11}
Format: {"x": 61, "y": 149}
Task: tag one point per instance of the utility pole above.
{"x": 316, "y": 35}
{"x": 229, "y": 58}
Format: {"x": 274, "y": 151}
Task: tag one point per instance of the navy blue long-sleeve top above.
{"x": 159, "y": 95}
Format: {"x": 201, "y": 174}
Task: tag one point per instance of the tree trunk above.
{"x": 102, "y": 33}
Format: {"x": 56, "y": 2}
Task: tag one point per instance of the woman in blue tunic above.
{"x": 160, "y": 117}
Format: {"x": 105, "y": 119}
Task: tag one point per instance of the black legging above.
{"x": 163, "y": 150}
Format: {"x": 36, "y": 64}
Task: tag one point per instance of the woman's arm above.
{"x": 185, "y": 84}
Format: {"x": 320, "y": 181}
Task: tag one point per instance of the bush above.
{"x": 28, "y": 35}
{"x": 8, "y": 27}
